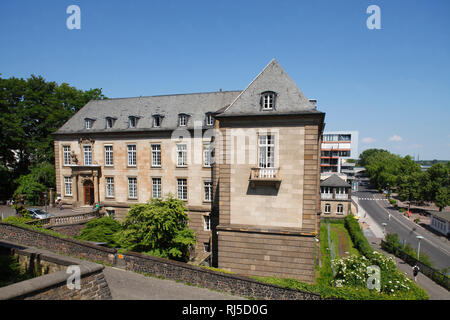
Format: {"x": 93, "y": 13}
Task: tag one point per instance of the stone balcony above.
{"x": 265, "y": 176}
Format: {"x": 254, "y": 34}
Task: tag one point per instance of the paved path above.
{"x": 435, "y": 291}
{"x": 127, "y": 285}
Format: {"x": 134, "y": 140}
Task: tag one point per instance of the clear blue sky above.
{"x": 389, "y": 84}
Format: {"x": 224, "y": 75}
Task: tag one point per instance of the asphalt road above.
{"x": 435, "y": 247}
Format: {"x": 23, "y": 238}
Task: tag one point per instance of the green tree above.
{"x": 101, "y": 230}
{"x": 158, "y": 228}
{"x": 30, "y": 111}
{"x": 29, "y": 187}
{"x": 442, "y": 198}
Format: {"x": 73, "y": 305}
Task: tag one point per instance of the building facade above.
{"x": 246, "y": 164}
{"x": 336, "y": 197}
{"x": 336, "y": 149}
{"x": 440, "y": 221}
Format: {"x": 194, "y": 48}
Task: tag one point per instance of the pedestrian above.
{"x": 415, "y": 272}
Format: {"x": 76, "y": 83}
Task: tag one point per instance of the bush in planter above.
{"x": 402, "y": 210}
{"x": 417, "y": 220}
{"x": 393, "y": 201}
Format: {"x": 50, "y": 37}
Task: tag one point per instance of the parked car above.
{"x": 38, "y": 214}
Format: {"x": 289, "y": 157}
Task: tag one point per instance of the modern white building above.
{"x": 336, "y": 149}
{"x": 440, "y": 221}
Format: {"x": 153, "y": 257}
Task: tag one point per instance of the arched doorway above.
{"x": 88, "y": 187}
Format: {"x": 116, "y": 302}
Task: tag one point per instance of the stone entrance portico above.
{"x": 86, "y": 182}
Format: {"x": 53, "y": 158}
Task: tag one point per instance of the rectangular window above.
{"x": 340, "y": 209}
{"x": 132, "y": 155}
{"x": 181, "y": 155}
{"x": 182, "y": 189}
{"x": 207, "y": 186}
{"x": 109, "y": 157}
{"x": 156, "y": 155}
{"x": 88, "y": 123}
{"x": 156, "y": 188}
{"x": 209, "y": 119}
{"x": 156, "y": 121}
{"x": 132, "y": 122}
{"x": 266, "y": 149}
{"x": 206, "y": 247}
{"x": 68, "y": 186}
{"x": 327, "y": 208}
{"x": 109, "y": 187}
{"x": 109, "y": 123}
{"x": 182, "y": 120}
{"x": 207, "y": 154}
{"x": 66, "y": 155}
{"x": 132, "y": 188}
{"x": 206, "y": 223}
{"x": 87, "y": 155}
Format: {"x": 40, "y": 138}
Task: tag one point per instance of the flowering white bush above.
{"x": 352, "y": 272}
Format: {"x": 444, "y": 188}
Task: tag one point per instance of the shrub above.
{"x": 402, "y": 210}
{"x": 359, "y": 240}
{"x": 101, "y": 230}
{"x": 393, "y": 202}
{"x": 417, "y": 220}
{"x": 158, "y": 228}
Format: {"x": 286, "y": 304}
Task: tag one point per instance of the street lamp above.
{"x": 418, "y": 247}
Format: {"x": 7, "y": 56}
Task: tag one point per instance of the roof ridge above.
{"x": 167, "y": 95}
{"x": 259, "y": 74}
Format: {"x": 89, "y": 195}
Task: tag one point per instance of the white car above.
{"x": 38, "y": 214}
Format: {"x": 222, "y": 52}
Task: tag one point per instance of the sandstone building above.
{"x": 246, "y": 163}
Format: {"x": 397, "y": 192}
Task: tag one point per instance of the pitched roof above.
{"x": 289, "y": 98}
{"x": 443, "y": 215}
{"x": 196, "y": 105}
{"x": 335, "y": 181}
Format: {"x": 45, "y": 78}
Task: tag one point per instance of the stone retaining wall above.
{"x": 228, "y": 283}
{"x": 136, "y": 262}
{"x": 53, "y": 285}
{"x": 79, "y": 249}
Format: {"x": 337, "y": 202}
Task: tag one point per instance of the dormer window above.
{"x": 268, "y": 100}
{"x": 88, "y": 123}
{"x": 132, "y": 122}
{"x": 209, "y": 119}
{"x": 157, "y": 119}
{"x": 182, "y": 120}
{"x": 109, "y": 122}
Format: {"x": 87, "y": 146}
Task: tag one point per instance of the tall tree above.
{"x": 30, "y": 110}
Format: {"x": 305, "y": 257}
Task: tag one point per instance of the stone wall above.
{"x": 80, "y": 249}
{"x": 229, "y": 283}
{"x": 53, "y": 284}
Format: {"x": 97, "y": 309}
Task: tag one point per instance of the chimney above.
{"x": 220, "y": 90}
{"x": 313, "y": 102}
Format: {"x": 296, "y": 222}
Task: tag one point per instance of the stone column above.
{"x": 96, "y": 188}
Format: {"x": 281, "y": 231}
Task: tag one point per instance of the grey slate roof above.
{"x": 334, "y": 181}
{"x": 289, "y": 99}
{"x": 169, "y": 106}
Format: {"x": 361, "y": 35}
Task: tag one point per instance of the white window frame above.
{"x": 327, "y": 206}
{"x": 132, "y": 155}
{"x": 157, "y": 121}
{"x": 109, "y": 123}
{"x": 132, "y": 188}
{"x": 109, "y": 155}
{"x": 156, "y": 154}
{"x": 268, "y": 101}
{"x": 340, "y": 209}
{"x": 156, "y": 188}
{"x": 182, "y": 192}
{"x": 68, "y": 186}
{"x": 207, "y": 155}
{"x": 181, "y": 155}
{"x": 109, "y": 183}
{"x": 207, "y": 190}
{"x": 182, "y": 120}
{"x": 132, "y": 122}
{"x": 66, "y": 155}
{"x": 266, "y": 151}
{"x": 88, "y": 124}
{"x": 87, "y": 152}
{"x": 206, "y": 223}
{"x": 209, "y": 119}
